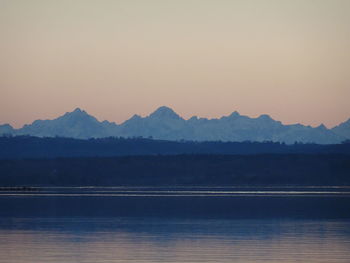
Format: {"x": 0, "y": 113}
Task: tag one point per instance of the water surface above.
{"x": 214, "y": 225}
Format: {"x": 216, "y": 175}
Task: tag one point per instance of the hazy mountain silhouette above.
{"x": 166, "y": 124}
{"x": 6, "y": 129}
{"x": 343, "y": 129}
{"x": 163, "y": 123}
{"x": 75, "y": 124}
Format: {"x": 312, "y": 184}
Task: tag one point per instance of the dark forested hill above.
{"x": 192, "y": 170}
{"x": 35, "y": 147}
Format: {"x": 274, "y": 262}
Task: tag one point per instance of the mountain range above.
{"x": 165, "y": 124}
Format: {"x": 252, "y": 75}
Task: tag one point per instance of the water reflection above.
{"x": 101, "y": 229}
{"x": 172, "y": 240}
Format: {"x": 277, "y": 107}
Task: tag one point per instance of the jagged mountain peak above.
{"x": 6, "y": 125}
{"x": 164, "y": 112}
{"x": 6, "y": 128}
{"x": 345, "y": 123}
{"x": 136, "y": 116}
{"x": 164, "y": 123}
{"x": 235, "y": 114}
{"x": 322, "y": 127}
{"x": 77, "y": 112}
{"x": 343, "y": 129}
{"x": 265, "y": 117}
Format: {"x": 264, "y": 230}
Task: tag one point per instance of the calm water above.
{"x": 220, "y": 225}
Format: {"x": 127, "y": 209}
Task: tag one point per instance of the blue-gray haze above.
{"x": 165, "y": 124}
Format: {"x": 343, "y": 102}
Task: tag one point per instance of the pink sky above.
{"x": 288, "y": 59}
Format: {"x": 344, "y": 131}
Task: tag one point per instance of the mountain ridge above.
{"x": 165, "y": 123}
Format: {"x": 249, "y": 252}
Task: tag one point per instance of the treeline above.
{"x": 179, "y": 170}
{"x": 35, "y": 147}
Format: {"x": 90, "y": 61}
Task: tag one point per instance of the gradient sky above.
{"x": 289, "y": 59}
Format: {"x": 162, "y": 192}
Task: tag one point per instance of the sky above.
{"x": 115, "y": 58}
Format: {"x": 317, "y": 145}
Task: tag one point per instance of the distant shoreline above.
{"x": 20, "y": 147}
{"x": 299, "y": 170}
